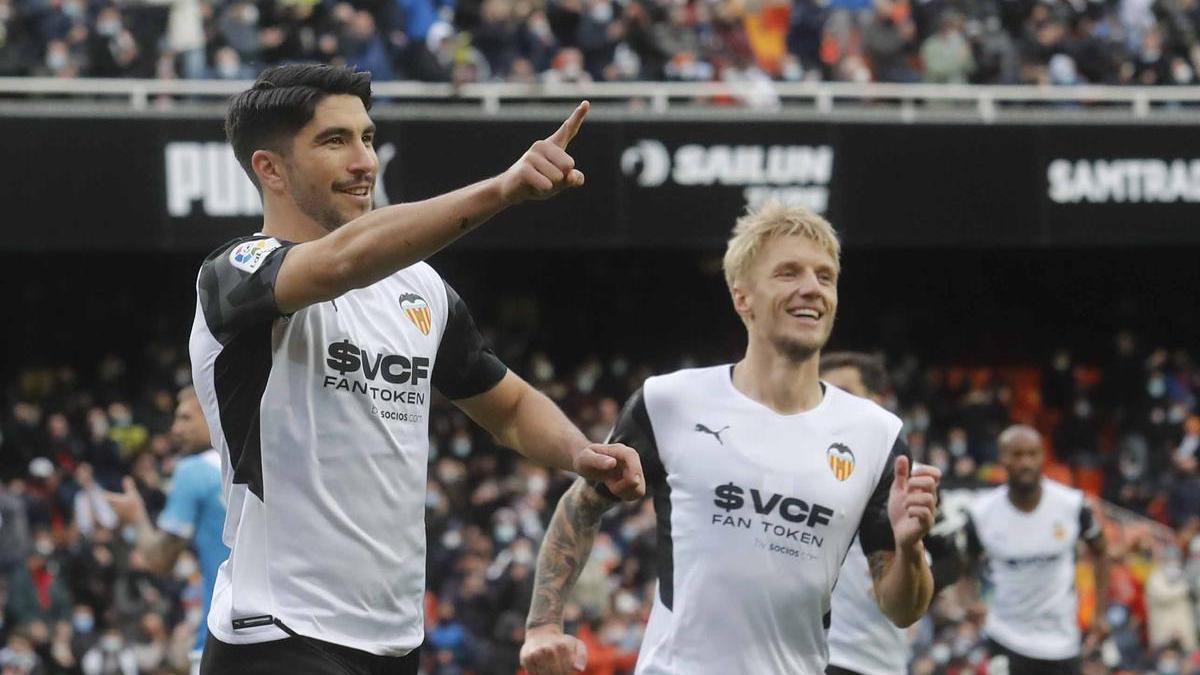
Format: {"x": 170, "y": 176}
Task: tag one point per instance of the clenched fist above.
{"x": 912, "y": 502}
{"x": 548, "y": 652}
{"x": 545, "y": 169}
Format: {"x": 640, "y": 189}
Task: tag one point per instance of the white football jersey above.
{"x": 756, "y": 511}
{"x": 1031, "y": 562}
{"x": 861, "y": 638}
{"x": 322, "y": 422}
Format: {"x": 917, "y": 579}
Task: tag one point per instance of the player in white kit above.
{"x": 1028, "y": 532}
{"x": 862, "y": 641}
{"x": 761, "y": 476}
{"x": 315, "y": 349}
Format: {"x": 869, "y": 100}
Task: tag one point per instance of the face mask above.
{"x": 1181, "y": 73}
{"x": 584, "y": 383}
{"x": 228, "y": 70}
{"x": 1156, "y": 387}
{"x": 461, "y": 445}
{"x": 505, "y": 533}
{"x": 626, "y": 604}
{"x": 58, "y": 61}
{"x": 1168, "y": 666}
{"x": 108, "y": 27}
{"x": 452, "y": 540}
{"x": 185, "y": 568}
{"x": 83, "y": 623}
{"x": 110, "y": 643}
{"x": 122, "y": 420}
{"x": 543, "y": 370}
{"x": 250, "y": 14}
{"x": 73, "y": 11}
{"x": 792, "y": 72}
{"x": 44, "y": 548}
{"x": 522, "y": 556}
{"x": 431, "y": 500}
{"x": 602, "y": 13}
{"x": 537, "y": 485}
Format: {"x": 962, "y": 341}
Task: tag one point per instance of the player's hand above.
{"x": 548, "y": 652}
{"x": 545, "y": 169}
{"x": 617, "y": 466}
{"x": 912, "y": 502}
{"x": 128, "y": 505}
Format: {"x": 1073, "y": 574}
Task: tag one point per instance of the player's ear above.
{"x": 268, "y": 166}
{"x": 741, "y": 301}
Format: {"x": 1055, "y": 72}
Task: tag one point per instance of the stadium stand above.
{"x": 1059, "y": 42}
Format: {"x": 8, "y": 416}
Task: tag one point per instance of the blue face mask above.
{"x": 83, "y": 623}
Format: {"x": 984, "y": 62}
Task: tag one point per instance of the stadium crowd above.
{"x": 76, "y": 598}
{"x": 1061, "y": 42}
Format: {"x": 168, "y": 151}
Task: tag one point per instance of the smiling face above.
{"x": 788, "y": 297}
{"x": 331, "y": 165}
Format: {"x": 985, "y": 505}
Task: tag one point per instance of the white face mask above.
{"x": 185, "y": 568}
{"x": 602, "y": 12}
{"x": 57, "y": 61}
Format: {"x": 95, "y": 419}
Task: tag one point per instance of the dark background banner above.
{"x": 161, "y": 183}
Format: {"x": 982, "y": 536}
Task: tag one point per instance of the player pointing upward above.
{"x": 315, "y": 348}
{"x": 753, "y": 523}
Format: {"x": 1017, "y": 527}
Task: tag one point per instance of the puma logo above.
{"x": 715, "y": 434}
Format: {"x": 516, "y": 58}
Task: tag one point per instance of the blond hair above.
{"x": 770, "y": 220}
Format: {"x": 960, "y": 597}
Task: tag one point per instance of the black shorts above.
{"x": 1025, "y": 665}
{"x": 838, "y": 670}
{"x": 300, "y": 655}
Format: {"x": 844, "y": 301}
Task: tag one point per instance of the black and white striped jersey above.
{"x": 756, "y": 511}
{"x": 321, "y": 419}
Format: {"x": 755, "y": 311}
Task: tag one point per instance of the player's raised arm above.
{"x": 892, "y": 539}
{"x": 376, "y": 244}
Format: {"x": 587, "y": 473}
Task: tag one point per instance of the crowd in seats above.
{"x": 75, "y": 598}
{"x": 1059, "y": 42}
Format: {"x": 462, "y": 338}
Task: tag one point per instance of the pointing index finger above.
{"x": 570, "y": 127}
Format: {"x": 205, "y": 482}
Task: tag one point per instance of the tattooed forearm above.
{"x": 565, "y": 551}
{"x": 880, "y": 561}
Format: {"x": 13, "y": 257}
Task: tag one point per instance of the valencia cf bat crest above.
{"x": 417, "y": 311}
{"x": 841, "y": 461}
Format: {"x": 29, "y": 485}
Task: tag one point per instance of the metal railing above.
{"x": 659, "y": 97}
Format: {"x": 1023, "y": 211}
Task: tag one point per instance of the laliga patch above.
{"x": 249, "y": 256}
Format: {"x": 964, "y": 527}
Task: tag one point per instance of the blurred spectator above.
{"x": 946, "y": 54}
{"x": 110, "y": 656}
{"x": 1169, "y": 609}
{"x": 888, "y": 42}
{"x": 91, "y": 508}
{"x": 36, "y": 591}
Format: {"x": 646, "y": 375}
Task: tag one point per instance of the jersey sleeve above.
{"x": 633, "y": 428}
{"x": 1089, "y": 527}
{"x": 465, "y": 366}
{"x": 236, "y": 286}
{"x": 875, "y": 528}
{"x": 974, "y": 545}
{"x": 182, "y": 511}
{"x": 945, "y": 556}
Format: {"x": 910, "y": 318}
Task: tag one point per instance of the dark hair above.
{"x": 870, "y": 368}
{"x": 282, "y": 101}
